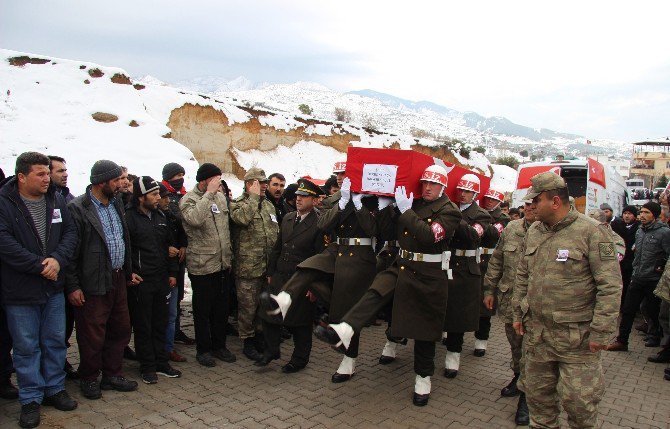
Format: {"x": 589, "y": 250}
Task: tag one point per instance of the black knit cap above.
{"x": 143, "y": 185}
{"x": 171, "y": 169}
{"x": 654, "y": 208}
{"x": 631, "y": 209}
{"x": 163, "y": 190}
{"x": 206, "y": 171}
{"x": 103, "y": 171}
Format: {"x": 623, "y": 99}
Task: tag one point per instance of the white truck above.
{"x": 589, "y": 182}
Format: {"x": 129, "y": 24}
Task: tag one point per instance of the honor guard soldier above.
{"x": 566, "y": 303}
{"x": 339, "y": 172}
{"x": 499, "y": 220}
{"x": 499, "y": 286}
{"x": 340, "y": 275}
{"x": 465, "y": 289}
{"x": 415, "y": 281}
{"x": 299, "y": 239}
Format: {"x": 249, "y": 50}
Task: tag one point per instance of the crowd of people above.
{"x": 303, "y": 261}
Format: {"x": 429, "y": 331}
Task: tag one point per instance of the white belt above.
{"x": 487, "y": 250}
{"x": 468, "y": 253}
{"x": 443, "y": 258}
{"x": 355, "y": 241}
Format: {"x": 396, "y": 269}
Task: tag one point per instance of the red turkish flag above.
{"x": 527, "y": 173}
{"x": 596, "y": 172}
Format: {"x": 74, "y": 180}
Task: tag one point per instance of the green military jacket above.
{"x": 663, "y": 287}
{"x": 205, "y": 220}
{"x": 568, "y": 284}
{"x": 255, "y": 231}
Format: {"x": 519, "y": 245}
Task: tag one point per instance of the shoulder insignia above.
{"x": 607, "y": 251}
{"x": 499, "y": 226}
{"x": 480, "y": 229}
{"x": 438, "y": 231}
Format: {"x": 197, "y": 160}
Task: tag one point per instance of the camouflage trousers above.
{"x": 248, "y": 291}
{"x": 573, "y": 378}
{"x": 515, "y": 342}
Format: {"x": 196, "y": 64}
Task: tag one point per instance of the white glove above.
{"x": 345, "y": 193}
{"x": 357, "y": 200}
{"x": 384, "y": 202}
{"x": 403, "y": 202}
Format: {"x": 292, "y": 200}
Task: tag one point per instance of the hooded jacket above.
{"x": 652, "y": 247}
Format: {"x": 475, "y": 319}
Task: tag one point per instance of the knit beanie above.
{"x": 171, "y": 169}
{"x": 104, "y": 170}
{"x": 631, "y": 209}
{"x": 206, "y": 171}
{"x": 163, "y": 190}
{"x": 143, "y": 185}
{"x": 654, "y": 208}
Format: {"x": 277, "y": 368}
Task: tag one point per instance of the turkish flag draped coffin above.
{"x": 527, "y": 173}
{"x": 597, "y": 173}
{"x": 380, "y": 171}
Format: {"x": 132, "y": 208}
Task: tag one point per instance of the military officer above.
{"x": 566, "y": 302}
{"x": 499, "y": 220}
{"x": 465, "y": 290}
{"x": 299, "y": 238}
{"x": 341, "y": 274}
{"x": 499, "y": 285}
{"x": 415, "y": 281}
{"x": 255, "y": 230}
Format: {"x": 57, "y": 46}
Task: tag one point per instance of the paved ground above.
{"x": 240, "y": 395}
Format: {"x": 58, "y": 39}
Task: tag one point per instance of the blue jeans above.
{"x": 38, "y": 332}
{"x": 172, "y": 318}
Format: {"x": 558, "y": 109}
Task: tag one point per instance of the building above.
{"x": 651, "y": 160}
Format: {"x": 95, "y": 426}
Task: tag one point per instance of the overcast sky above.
{"x": 596, "y": 68}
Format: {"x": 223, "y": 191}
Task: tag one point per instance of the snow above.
{"x": 280, "y": 122}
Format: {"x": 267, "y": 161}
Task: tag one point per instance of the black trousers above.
{"x": 637, "y": 291}
{"x": 211, "y": 299}
{"x": 302, "y": 342}
{"x": 454, "y": 342}
{"x": 626, "y": 275}
{"x": 484, "y": 328}
{"x": 6, "y": 363}
{"x": 148, "y": 303}
{"x": 180, "y": 290}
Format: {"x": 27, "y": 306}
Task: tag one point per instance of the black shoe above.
{"x": 129, "y": 353}
{"x": 667, "y": 371}
{"x": 479, "y": 352}
{"x": 250, "y": 351}
{"x": 118, "y": 383}
{"x": 270, "y": 307}
{"x": 328, "y": 335}
{"x": 420, "y": 400}
{"x": 511, "y": 389}
{"x": 290, "y": 368}
{"x": 385, "y": 360}
{"x": 181, "y": 338}
{"x": 340, "y": 378}
{"x": 661, "y": 357}
{"x": 149, "y": 378}
{"x": 224, "y": 354}
{"x": 652, "y": 342}
{"x": 522, "y": 418}
{"x": 90, "y": 389}
{"x": 205, "y": 359}
{"x": 450, "y": 373}
{"x": 666, "y": 377}
{"x": 397, "y": 340}
{"x": 30, "y": 415}
{"x": 285, "y": 333}
{"x": 266, "y": 359}
{"x": 61, "y": 401}
{"x": 8, "y": 390}
{"x": 70, "y": 372}
{"x": 168, "y": 371}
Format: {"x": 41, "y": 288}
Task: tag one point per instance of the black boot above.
{"x": 511, "y": 390}
{"x": 522, "y": 418}
{"x": 259, "y": 342}
{"x": 250, "y": 351}
{"x": 662, "y": 356}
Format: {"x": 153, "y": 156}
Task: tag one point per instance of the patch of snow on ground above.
{"x": 280, "y": 122}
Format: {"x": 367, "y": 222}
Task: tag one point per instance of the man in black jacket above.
{"x": 626, "y": 226}
{"x": 150, "y": 238}
{"x": 96, "y": 282}
{"x": 37, "y": 241}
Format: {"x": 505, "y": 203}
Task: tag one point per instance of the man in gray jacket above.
{"x": 652, "y": 247}
{"x": 206, "y": 222}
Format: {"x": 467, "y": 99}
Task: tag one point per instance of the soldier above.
{"x": 339, "y": 172}
{"x": 340, "y": 274}
{"x": 465, "y": 290}
{"x": 299, "y": 238}
{"x": 566, "y": 301}
{"x": 255, "y": 231}
{"x": 499, "y": 220}
{"x": 416, "y": 278}
{"x": 499, "y": 284}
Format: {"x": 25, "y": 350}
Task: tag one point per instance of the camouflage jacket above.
{"x": 255, "y": 231}
{"x": 205, "y": 220}
{"x": 501, "y": 272}
{"x": 568, "y": 284}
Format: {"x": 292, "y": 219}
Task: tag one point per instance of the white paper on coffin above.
{"x": 379, "y": 178}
